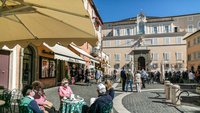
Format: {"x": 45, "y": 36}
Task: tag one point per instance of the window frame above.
{"x": 115, "y": 56}
{"x": 166, "y": 39}
{"x": 178, "y": 56}
{"x": 178, "y": 39}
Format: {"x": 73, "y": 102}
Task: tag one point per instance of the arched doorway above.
{"x": 141, "y": 63}
{"x": 28, "y": 64}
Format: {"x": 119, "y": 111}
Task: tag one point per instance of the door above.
{"x": 141, "y": 63}
{"x": 4, "y": 68}
{"x": 27, "y": 66}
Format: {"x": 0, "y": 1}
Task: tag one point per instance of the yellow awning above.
{"x": 50, "y": 21}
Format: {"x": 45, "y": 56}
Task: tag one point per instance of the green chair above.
{"x": 7, "y": 98}
{"x": 16, "y": 94}
{"x": 24, "y": 108}
{"x": 107, "y": 108}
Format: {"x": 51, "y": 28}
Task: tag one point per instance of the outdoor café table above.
{"x": 1, "y": 104}
{"x": 73, "y": 106}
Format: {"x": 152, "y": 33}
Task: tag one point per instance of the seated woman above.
{"x": 40, "y": 97}
{"x": 64, "y": 90}
{"x": 109, "y": 89}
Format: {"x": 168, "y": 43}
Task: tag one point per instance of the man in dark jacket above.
{"x": 123, "y": 79}
{"x": 29, "y": 101}
{"x": 103, "y": 100}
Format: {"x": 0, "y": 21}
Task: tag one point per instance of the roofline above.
{"x": 154, "y": 18}
{"x": 95, "y": 9}
{"x": 191, "y": 34}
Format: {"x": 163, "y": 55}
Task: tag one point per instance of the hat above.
{"x": 101, "y": 88}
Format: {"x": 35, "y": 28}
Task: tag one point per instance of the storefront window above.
{"x": 48, "y": 68}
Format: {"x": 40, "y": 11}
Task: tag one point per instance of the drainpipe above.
{"x": 21, "y": 68}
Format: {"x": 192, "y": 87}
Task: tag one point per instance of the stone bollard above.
{"x": 170, "y": 93}
{"x": 167, "y": 92}
{"x": 175, "y": 93}
{"x": 166, "y": 81}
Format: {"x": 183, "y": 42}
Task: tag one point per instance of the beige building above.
{"x": 151, "y": 43}
{"x": 193, "y": 51}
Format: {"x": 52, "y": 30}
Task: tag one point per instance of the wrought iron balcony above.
{"x": 95, "y": 52}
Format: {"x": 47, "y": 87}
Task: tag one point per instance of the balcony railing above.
{"x": 140, "y": 48}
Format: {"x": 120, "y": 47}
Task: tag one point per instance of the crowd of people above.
{"x": 182, "y": 77}
{"x": 81, "y": 75}
{"x": 141, "y": 77}
{"x": 128, "y": 78}
{"x": 35, "y": 99}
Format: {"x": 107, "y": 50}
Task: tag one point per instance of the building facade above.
{"x": 151, "y": 43}
{"x": 24, "y": 63}
{"x": 193, "y": 51}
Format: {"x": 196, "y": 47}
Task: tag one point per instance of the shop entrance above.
{"x": 28, "y": 66}
{"x": 141, "y": 63}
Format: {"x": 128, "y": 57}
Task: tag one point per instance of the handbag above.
{"x": 48, "y": 104}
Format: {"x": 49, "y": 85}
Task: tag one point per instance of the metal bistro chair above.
{"x": 7, "y": 97}
{"x": 16, "y": 94}
{"x": 107, "y": 108}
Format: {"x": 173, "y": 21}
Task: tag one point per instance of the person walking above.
{"x": 138, "y": 81}
{"x": 123, "y": 78}
{"x": 97, "y": 75}
{"x": 129, "y": 80}
{"x": 143, "y": 77}
{"x": 73, "y": 74}
{"x": 87, "y": 77}
{"x": 191, "y": 77}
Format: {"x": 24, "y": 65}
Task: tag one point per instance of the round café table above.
{"x": 73, "y": 106}
{"x": 1, "y": 104}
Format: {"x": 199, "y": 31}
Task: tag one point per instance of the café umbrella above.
{"x": 51, "y": 21}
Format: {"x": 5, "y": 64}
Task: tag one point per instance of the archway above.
{"x": 28, "y": 64}
{"x": 141, "y": 63}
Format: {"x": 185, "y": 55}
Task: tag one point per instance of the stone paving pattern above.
{"x": 81, "y": 89}
{"x": 144, "y": 102}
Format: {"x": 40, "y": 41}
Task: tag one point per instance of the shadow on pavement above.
{"x": 191, "y": 100}
{"x": 158, "y": 95}
{"x": 118, "y": 90}
{"x": 162, "y": 102}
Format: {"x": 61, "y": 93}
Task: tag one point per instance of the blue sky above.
{"x": 113, "y": 10}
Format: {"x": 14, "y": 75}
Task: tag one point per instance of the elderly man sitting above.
{"x": 29, "y": 102}
{"x": 103, "y": 104}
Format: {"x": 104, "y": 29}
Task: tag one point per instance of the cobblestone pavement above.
{"x": 80, "y": 89}
{"x": 153, "y": 101}
{"x": 149, "y": 101}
